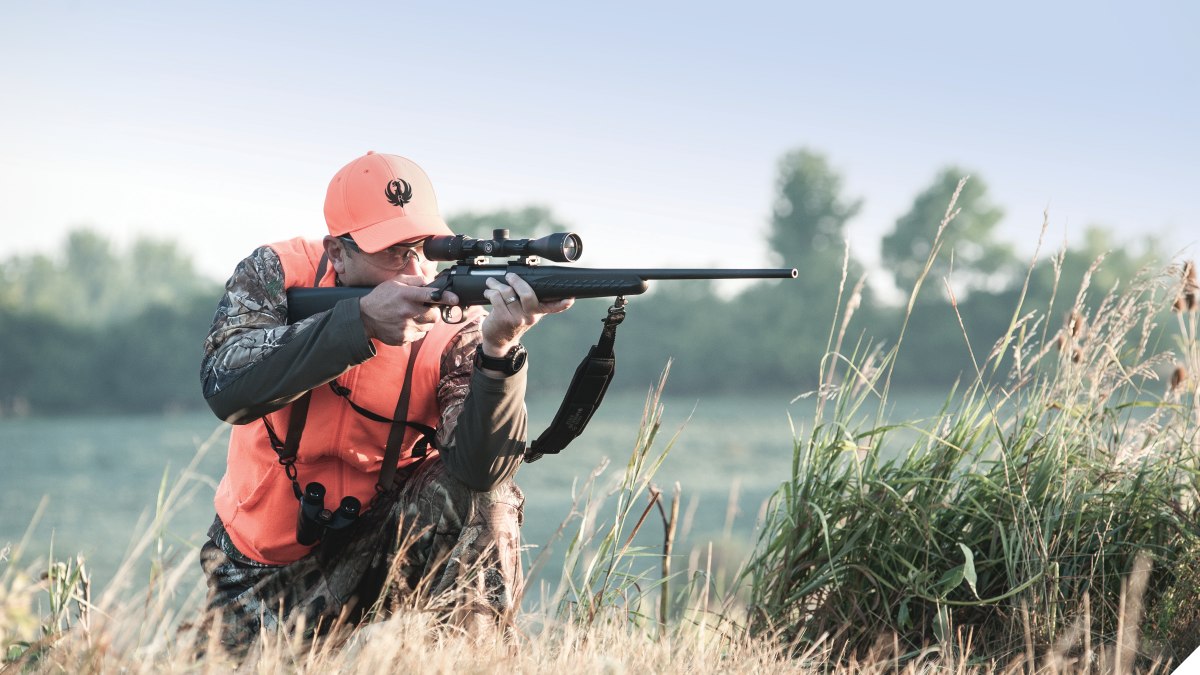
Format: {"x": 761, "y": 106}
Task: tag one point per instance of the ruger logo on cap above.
{"x": 398, "y": 192}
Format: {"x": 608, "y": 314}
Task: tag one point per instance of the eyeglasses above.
{"x": 405, "y": 253}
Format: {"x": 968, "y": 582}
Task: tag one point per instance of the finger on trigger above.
{"x": 447, "y": 298}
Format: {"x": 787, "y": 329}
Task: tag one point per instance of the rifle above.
{"x": 467, "y": 278}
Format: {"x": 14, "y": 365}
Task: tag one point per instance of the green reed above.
{"x": 1010, "y": 519}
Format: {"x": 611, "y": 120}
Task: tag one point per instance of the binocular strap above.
{"x": 287, "y": 448}
{"x": 400, "y": 424}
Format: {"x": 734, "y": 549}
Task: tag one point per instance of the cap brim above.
{"x": 385, "y": 233}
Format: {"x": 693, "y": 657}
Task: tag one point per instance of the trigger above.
{"x": 452, "y": 314}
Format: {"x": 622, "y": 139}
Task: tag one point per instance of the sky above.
{"x": 653, "y": 129}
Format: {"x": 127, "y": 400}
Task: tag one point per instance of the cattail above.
{"x": 1178, "y": 378}
{"x": 1078, "y": 324}
{"x": 1186, "y": 301}
{"x": 1075, "y": 327}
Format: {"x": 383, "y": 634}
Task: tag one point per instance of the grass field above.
{"x": 1046, "y": 518}
{"x": 731, "y": 452}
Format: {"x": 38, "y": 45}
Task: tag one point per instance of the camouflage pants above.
{"x": 432, "y": 544}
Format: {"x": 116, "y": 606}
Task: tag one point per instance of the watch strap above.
{"x": 509, "y": 364}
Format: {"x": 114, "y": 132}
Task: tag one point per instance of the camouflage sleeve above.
{"x": 255, "y": 362}
{"x": 484, "y": 425}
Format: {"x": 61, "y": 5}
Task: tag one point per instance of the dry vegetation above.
{"x": 1046, "y": 521}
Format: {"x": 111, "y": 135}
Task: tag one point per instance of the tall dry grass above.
{"x": 1045, "y": 521}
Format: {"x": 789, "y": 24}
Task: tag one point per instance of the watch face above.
{"x": 508, "y": 364}
{"x": 517, "y": 358}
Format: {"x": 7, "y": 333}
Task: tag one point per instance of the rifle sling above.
{"x": 585, "y": 392}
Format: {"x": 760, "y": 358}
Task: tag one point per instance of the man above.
{"x": 378, "y": 401}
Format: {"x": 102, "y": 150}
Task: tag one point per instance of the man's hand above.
{"x": 515, "y": 309}
{"x": 399, "y": 310}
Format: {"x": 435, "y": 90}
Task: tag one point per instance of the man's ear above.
{"x": 336, "y": 252}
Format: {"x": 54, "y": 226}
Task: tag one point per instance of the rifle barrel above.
{"x": 772, "y": 273}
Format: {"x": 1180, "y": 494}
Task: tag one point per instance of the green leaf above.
{"x": 960, "y": 573}
{"x": 968, "y": 568}
{"x": 950, "y": 580}
{"x": 16, "y": 650}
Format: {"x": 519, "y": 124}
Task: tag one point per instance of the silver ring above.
{"x": 509, "y": 301}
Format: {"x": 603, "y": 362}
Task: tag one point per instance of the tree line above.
{"x": 96, "y": 329}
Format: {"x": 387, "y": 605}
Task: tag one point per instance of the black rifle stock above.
{"x": 550, "y": 282}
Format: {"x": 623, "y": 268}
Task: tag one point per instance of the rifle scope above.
{"x": 559, "y": 247}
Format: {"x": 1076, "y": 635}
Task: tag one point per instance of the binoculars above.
{"x": 316, "y": 523}
{"x": 559, "y": 247}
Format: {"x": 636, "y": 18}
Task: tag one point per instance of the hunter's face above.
{"x": 359, "y": 268}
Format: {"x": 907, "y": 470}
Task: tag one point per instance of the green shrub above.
{"x": 1011, "y": 520}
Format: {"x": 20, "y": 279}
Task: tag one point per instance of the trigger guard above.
{"x": 449, "y": 315}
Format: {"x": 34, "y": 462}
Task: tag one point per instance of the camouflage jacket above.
{"x": 255, "y": 363}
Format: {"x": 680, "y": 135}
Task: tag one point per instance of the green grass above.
{"x": 1010, "y": 523}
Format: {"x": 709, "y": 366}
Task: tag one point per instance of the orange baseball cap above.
{"x": 382, "y": 200}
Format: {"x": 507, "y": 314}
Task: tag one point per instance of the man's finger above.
{"x": 519, "y": 285}
{"x": 430, "y": 316}
{"x": 506, "y": 294}
{"x": 446, "y": 298}
{"x": 498, "y": 298}
{"x": 523, "y": 291}
{"x": 556, "y": 306}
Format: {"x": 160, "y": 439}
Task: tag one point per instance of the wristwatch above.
{"x": 509, "y": 364}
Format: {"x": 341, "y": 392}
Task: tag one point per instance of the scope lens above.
{"x": 572, "y": 247}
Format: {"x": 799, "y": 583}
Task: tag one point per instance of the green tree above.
{"x": 32, "y": 284}
{"x": 789, "y": 322}
{"x": 97, "y": 328}
{"x": 808, "y": 222}
{"x": 980, "y": 260}
{"x": 163, "y": 275}
{"x": 92, "y": 283}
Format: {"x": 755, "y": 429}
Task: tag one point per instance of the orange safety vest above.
{"x": 340, "y": 448}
